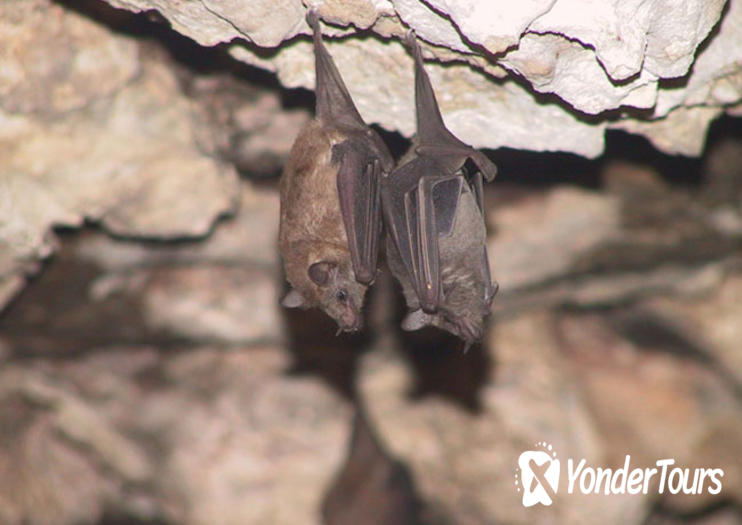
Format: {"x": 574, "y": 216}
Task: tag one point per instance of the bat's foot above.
{"x": 312, "y": 19}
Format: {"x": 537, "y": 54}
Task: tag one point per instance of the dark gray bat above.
{"x": 433, "y": 210}
{"x": 330, "y": 202}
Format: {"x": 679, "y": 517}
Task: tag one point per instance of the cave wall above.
{"x": 147, "y": 372}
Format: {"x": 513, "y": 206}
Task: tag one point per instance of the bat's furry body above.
{"x": 312, "y": 228}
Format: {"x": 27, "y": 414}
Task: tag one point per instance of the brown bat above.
{"x": 433, "y": 209}
{"x": 330, "y": 202}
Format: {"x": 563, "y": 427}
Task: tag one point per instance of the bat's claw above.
{"x": 411, "y": 41}
{"x": 313, "y": 19}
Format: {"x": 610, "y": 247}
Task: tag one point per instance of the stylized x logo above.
{"x": 539, "y": 476}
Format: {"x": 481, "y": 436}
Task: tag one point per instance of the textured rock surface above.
{"x": 636, "y": 237}
{"x": 193, "y": 438}
{"x": 98, "y": 127}
{"x": 157, "y": 381}
{"x": 223, "y": 290}
{"x": 594, "y": 57}
{"x": 105, "y": 379}
{"x": 576, "y": 379}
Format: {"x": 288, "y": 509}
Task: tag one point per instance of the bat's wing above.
{"x": 361, "y": 160}
{"x": 434, "y": 139}
{"x": 399, "y": 204}
{"x": 436, "y": 142}
{"x": 358, "y": 183}
{"x": 420, "y": 205}
{"x": 334, "y": 105}
{"x": 490, "y": 287}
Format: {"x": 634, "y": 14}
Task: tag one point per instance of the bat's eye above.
{"x": 341, "y": 295}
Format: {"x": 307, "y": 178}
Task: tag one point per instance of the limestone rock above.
{"x": 195, "y": 437}
{"x": 55, "y": 60}
{"x": 99, "y": 292}
{"x": 559, "y": 225}
{"x": 94, "y": 131}
{"x": 637, "y": 237}
{"x": 715, "y": 319}
{"x": 581, "y": 385}
{"x": 593, "y": 58}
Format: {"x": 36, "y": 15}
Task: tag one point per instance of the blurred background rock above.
{"x": 148, "y": 375}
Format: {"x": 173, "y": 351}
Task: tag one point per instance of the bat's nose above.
{"x": 353, "y": 327}
{"x": 351, "y": 320}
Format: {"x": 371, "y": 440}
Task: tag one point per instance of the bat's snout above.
{"x": 354, "y": 326}
{"x": 350, "y": 320}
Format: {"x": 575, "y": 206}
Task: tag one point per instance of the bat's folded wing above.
{"x": 419, "y": 206}
{"x": 358, "y": 181}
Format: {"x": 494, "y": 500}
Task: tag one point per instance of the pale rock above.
{"x": 248, "y": 238}
{"x": 214, "y": 303}
{"x": 266, "y": 23}
{"x": 682, "y": 131}
{"x": 194, "y": 437}
{"x": 560, "y": 226}
{"x": 103, "y": 135}
{"x": 39, "y": 75}
{"x": 644, "y": 389}
{"x": 578, "y": 384}
{"x": 714, "y": 319}
{"x": 51, "y": 469}
{"x": 470, "y": 103}
{"x": 189, "y": 17}
{"x": 715, "y": 79}
{"x": 465, "y": 464}
{"x": 429, "y": 24}
{"x": 555, "y": 64}
{"x": 494, "y": 25}
{"x": 360, "y": 13}
{"x": 673, "y": 41}
{"x": 220, "y": 289}
{"x": 261, "y": 440}
{"x": 615, "y": 29}
{"x": 266, "y": 134}
{"x": 595, "y": 57}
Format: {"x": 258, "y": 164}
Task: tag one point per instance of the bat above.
{"x": 434, "y": 214}
{"x": 330, "y": 201}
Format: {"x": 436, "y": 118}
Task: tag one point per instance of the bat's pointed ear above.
{"x": 334, "y": 104}
{"x": 293, "y": 299}
{"x": 415, "y": 320}
{"x": 320, "y": 272}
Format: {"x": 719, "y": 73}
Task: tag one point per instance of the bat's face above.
{"x": 467, "y": 326}
{"x": 331, "y": 286}
{"x": 340, "y": 295}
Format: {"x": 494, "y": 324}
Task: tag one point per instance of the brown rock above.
{"x": 191, "y": 437}
{"x": 56, "y": 60}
